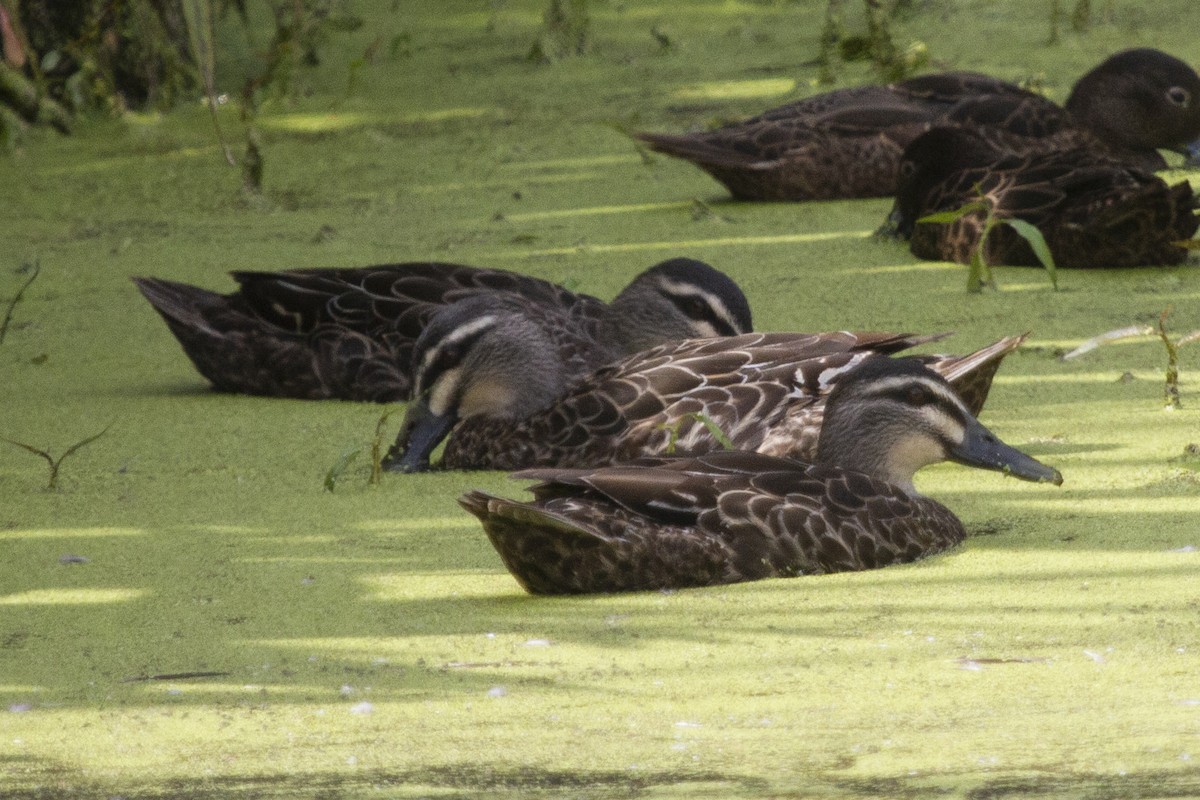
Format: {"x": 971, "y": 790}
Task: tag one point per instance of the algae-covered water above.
{"x": 191, "y": 614}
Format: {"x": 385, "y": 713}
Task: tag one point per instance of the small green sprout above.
{"x": 698, "y": 416}
{"x": 980, "y": 272}
{"x": 339, "y": 468}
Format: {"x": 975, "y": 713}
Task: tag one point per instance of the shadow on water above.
{"x": 39, "y": 780}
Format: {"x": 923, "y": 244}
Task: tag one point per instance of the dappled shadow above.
{"x": 291, "y": 617}
{"x": 36, "y": 779}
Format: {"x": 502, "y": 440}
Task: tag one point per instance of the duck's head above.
{"x": 481, "y": 356}
{"x": 890, "y": 417}
{"x": 678, "y": 299}
{"x": 1139, "y": 100}
{"x": 928, "y": 161}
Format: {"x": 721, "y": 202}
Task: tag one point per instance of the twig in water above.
{"x": 34, "y": 270}
{"x": 1171, "y": 389}
{"x": 377, "y": 448}
{"x": 55, "y": 463}
{"x": 1105, "y": 338}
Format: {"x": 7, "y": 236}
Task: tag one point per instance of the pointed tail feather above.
{"x": 971, "y": 375}
{"x": 536, "y": 545}
{"x": 701, "y": 152}
{"x": 181, "y": 303}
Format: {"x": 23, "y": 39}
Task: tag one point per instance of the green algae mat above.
{"x": 190, "y": 613}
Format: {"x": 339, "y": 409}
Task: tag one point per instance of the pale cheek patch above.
{"x": 487, "y": 397}
{"x": 913, "y": 453}
{"x": 948, "y": 430}
{"x": 443, "y": 391}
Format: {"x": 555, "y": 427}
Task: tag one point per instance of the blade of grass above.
{"x": 1037, "y": 241}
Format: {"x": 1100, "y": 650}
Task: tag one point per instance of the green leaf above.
{"x": 1038, "y": 242}
{"x": 713, "y": 428}
{"x": 942, "y": 217}
{"x": 335, "y": 472}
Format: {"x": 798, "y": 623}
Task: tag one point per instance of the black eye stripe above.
{"x": 447, "y": 358}
{"x": 917, "y": 396}
{"x": 697, "y": 308}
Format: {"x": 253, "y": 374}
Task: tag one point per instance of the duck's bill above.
{"x": 422, "y": 432}
{"x": 894, "y": 227}
{"x": 982, "y": 448}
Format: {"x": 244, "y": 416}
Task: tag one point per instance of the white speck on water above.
{"x": 346, "y": 690}
{"x": 490, "y": 635}
{"x": 20, "y": 708}
{"x": 972, "y": 666}
{"x": 352, "y": 760}
{"x": 362, "y": 708}
{"x": 174, "y": 692}
{"x": 1094, "y": 656}
{"x": 497, "y": 691}
{"x": 1187, "y": 548}
{"x": 538, "y": 643}
{"x": 1185, "y": 756}
{"x": 679, "y": 746}
{"x": 308, "y": 580}
{"x": 687, "y": 724}
{"x": 1191, "y": 701}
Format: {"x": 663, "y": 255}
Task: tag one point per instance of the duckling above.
{"x": 1092, "y": 211}
{"x": 763, "y": 392}
{"x": 848, "y": 143}
{"x": 735, "y": 515}
{"x": 348, "y": 333}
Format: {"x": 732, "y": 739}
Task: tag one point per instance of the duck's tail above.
{"x": 182, "y": 306}
{"x": 971, "y": 375}
{"x": 536, "y": 545}
{"x": 701, "y": 151}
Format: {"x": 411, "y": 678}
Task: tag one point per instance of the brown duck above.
{"x": 1092, "y": 211}
{"x": 349, "y": 333}
{"x": 848, "y": 143}
{"x": 492, "y": 389}
{"x": 737, "y": 516}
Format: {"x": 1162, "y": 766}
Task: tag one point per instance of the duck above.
{"x": 348, "y": 333}
{"x": 488, "y": 393}
{"x": 848, "y": 143}
{"x": 1092, "y": 211}
{"x": 737, "y": 515}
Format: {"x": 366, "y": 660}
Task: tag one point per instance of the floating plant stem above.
{"x": 55, "y": 463}
{"x": 34, "y": 270}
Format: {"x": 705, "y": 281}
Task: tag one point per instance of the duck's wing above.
{"x": 238, "y": 351}
{"x": 384, "y": 299}
{"x": 720, "y": 518}
{"x": 690, "y": 397}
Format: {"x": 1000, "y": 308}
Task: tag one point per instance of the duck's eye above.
{"x": 907, "y": 169}
{"x": 918, "y": 396}
{"x": 1179, "y": 96}
{"x": 694, "y": 307}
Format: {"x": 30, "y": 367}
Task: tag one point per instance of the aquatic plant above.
{"x": 979, "y": 272}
